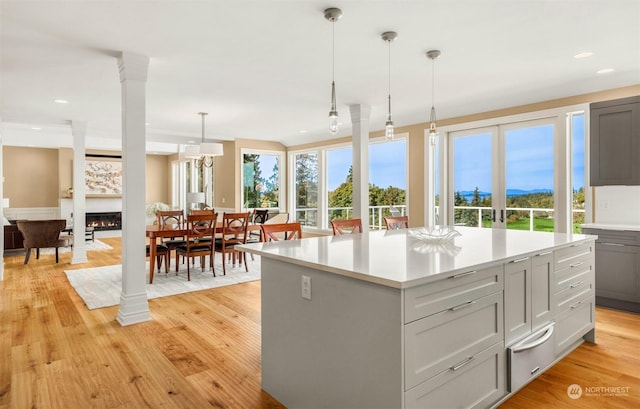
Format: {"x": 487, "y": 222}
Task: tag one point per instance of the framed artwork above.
{"x": 103, "y": 177}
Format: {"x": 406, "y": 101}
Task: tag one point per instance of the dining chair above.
{"x": 202, "y": 211}
{"x": 349, "y": 226}
{"x": 167, "y": 218}
{"x": 162, "y": 252}
{"x": 281, "y": 231}
{"x": 259, "y": 216}
{"x": 395, "y": 223}
{"x": 234, "y": 232}
{"x": 200, "y": 230}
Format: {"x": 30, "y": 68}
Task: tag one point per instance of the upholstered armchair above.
{"x": 42, "y": 234}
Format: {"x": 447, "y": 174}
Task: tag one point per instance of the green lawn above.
{"x": 538, "y": 224}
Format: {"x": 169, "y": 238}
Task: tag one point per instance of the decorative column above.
{"x": 1, "y": 209}
{"x": 360, "y": 116}
{"x": 79, "y": 132}
{"x": 134, "y": 307}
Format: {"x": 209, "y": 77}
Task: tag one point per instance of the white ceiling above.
{"x": 262, "y": 69}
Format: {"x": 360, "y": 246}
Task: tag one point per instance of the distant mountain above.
{"x": 519, "y": 192}
{"x": 468, "y": 194}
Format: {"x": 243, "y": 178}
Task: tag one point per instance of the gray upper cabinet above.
{"x": 615, "y": 142}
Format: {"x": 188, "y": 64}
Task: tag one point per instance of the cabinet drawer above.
{"x": 440, "y": 341}
{"x": 566, "y": 256}
{"x": 566, "y": 298}
{"x": 529, "y": 357}
{"x": 575, "y": 321}
{"x": 581, "y": 269}
{"x": 477, "y": 382}
{"x": 459, "y": 288}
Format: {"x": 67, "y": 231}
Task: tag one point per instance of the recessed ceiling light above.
{"x": 61, "y": 101}
{"x": 303, "y": 131}
{"x": 147, "y": 123}
{"x": 605, "y": 71}
{"x": 583, "y": 55}
{"x": 191, "y": 141}
{"x": 36, "y": 128}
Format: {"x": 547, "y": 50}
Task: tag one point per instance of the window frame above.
{"x": 282, "y": 175}
{"x": 563, "y": 162}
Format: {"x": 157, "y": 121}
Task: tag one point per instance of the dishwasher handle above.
{"x": 544, "y": 338}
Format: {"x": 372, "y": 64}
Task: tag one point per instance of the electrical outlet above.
{"x": 306, "y": 287}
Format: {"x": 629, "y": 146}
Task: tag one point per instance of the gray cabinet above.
{"x": 615, "y": 142}
{"x": 527, "y": 295}
{"x": 617, "y": 269}
{"x": 573, "y": 296}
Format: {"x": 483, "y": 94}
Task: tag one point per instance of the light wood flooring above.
{"x": 202, "y": 349}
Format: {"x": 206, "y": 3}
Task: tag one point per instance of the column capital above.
{"x": 360, "y": 112}
{"x": 133, "y": 66}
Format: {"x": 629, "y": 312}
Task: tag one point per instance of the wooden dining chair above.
{"x": 397, "y": 222}
{"x": 281, "y": 231}
{"x": 200, "y": 230}
{"x": 168, "y": 218}
{"x": 349, "y": 226}
{"x": 234, "y": 232}
{"x": 202, "y": 211}
{"x": 162, "y": 254}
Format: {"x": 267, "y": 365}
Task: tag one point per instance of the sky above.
{"x": 529, "y": 159}
{"x": 387, "y": 164}
{"x": 529, "y": 164}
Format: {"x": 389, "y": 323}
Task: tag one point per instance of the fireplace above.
{"x": 104, "y": 220}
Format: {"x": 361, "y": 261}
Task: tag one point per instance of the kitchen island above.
{"x": 387, "y": 320}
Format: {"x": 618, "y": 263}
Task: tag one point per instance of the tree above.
{"x": 252, "y": 183}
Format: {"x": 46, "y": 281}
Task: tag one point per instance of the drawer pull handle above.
{"x": 544, "y": 338}
{"x": 545, "y": 253}
{"x": 520, "y": 259}
{"x": 466, "y": 304}
{"x": 461, "y": 364}
{"x": 579, "y": 263}
{"x": 463, "y": 274}
{"x": 579, "y": 283}
{"x": 612, "y": 244}
{"x": 534, "y": 370}
{"x": 576, "y": 305}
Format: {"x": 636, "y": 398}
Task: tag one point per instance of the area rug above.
{"x": 101, "y": 286}
{"x": 89, "y": 246}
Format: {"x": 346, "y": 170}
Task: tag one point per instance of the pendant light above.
{"x": 333, "y": 14}
{"x": 205, "y": 151}
{"x": 433, "y": 131}
{"x": 389, "y": 36}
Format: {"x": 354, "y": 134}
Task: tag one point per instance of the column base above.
{"x": 134, "y": 309}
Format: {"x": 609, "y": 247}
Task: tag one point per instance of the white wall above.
{"x": 617, "y": 204}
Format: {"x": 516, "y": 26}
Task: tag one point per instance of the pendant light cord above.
{"x": 333, "y": 51}
{"x": 389, "y": 44}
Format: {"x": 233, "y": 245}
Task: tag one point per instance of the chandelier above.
{"x": 203, "y": 154}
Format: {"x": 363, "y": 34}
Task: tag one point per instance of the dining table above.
{"x": 155, "y": 231}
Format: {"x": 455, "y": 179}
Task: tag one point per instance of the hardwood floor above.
{"x": 202, "y": 349}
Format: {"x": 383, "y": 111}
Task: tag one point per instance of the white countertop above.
{"x": 396, "y": 259}
{"x": 611, "y": 226}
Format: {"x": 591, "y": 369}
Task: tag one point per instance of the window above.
{"x": 510, "y": 172}
{"x": 323, "y": 183}
{"x": 306, "y": 188}
{"x": 261, "y": 181}
{"x": 576, "y": 123}
{"x": 340, "y": 184}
